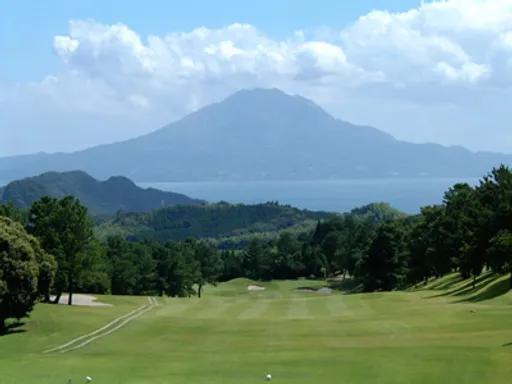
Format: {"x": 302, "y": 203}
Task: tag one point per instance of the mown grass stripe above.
{"x": 237, "y": 306}
{"x": 336, "y": 307}
{"x": 277, "y": 309}
{"x": 359, "y": 304}
{"x": 186, "y": 307}
{"x": 298, "y": 309}
{"x": 214, "y": 309}
{"x": 255, "y": 310}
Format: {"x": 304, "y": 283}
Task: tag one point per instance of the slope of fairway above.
{"x": 233, "y": 335}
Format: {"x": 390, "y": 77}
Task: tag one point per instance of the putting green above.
{"x": 232, "y": 335}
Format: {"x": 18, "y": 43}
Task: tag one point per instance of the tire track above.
{"x": 105, "y": 330}
{"x": 149, "y": 308}
{"x": 152, "y": 300}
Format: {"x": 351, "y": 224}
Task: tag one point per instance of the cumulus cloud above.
{"x": 436, "y": 73}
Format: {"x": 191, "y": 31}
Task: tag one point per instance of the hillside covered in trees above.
{"x": 114, "y": 194}
{"x": 470, "y": 232}
{"x": 235, "y": 224}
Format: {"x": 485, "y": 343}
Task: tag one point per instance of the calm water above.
{"x": 340, "y": 195}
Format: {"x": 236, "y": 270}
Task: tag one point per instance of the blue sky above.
{"x": 75, "y": 74}
{"x": 27, "y": 27}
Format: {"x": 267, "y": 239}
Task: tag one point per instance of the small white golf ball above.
{"x": 269, "y": 376}
{"x": 88, "y": 379}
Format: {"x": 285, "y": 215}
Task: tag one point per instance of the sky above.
{"x": 78, "y": 74}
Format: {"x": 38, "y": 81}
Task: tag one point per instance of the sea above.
{"x": 408, "y": 195}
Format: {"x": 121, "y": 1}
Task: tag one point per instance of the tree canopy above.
{"x": 26, "y": 272}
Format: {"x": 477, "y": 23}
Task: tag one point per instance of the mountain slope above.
{"x": 261, "y": 134}
{"x": 229, "y": 226}
{"x": 235, "y": 223}
{"x": 114, "y": 194}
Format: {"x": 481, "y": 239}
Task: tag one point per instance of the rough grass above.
{"x": 232, "y": 335}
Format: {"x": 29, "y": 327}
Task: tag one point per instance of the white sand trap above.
{"x": 255, "y": 288}
{"x": 83, "y": 300}
{"x": 325, "y": 291}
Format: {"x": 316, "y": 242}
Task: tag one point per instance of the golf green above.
{"x": 233, "y": 335}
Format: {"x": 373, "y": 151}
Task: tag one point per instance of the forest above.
{"x": 231, "y": 225}
{"x": 54, "y": 247}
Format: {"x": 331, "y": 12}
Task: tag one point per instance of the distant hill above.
{"x": 261, "y": 134}
{"x": 378, "y": 212}
{"x": 229, "y": 226}
{"x": 235, "y": 222}
{"x": 114, "y": 194}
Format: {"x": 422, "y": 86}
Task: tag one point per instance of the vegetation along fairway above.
{"x": 439, "y": 333}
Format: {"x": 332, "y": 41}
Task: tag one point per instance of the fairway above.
{"x": 232, "y": 335}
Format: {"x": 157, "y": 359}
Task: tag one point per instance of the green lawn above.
{"x": 429, "y": 335}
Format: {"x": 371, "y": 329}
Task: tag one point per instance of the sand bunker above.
{"x": 83, "y": 300}
{"x": 322, "y": 291}
{"x": 255, "y": 288}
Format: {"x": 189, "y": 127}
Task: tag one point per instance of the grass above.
{"x": 235, "y": 336}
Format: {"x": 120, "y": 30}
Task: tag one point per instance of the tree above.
{"x": 287, "y": 261}
{"x": 11, "y": 211}
{"x": 209, "y": 264}
{"x": 314, "y": 261}
{"x": 331, "y": 246}
{"x": 182, "y": 269}
{"x": 460, "y": 226}
{"x": 494, "y": 196}
{"x": 233, "y": 264}
{"x": 255, "y": 264}
{"x": 65, "y": 230}
{"x": 47, "y": 270}
{"x": 383, "y": 266}
{"x": 500, "y": 253}
{"x": 426, "y": 245}
{"x": 145, "y": 268}
{"x": 95, "y": 279}
{"x": 20, "y": 268}
{"x": 419, "y": 250}
{"x": 120, "y": 266}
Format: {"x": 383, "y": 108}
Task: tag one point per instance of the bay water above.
{"x": 407, "y": 195}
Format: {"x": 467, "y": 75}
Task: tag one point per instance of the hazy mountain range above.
{"x": 112, "y": 195}
{"x": 260, "y": 135}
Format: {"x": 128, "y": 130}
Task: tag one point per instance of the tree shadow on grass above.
{"x": 13, "y": 328}
{"x": 445, "y": 283}
{"x": 442, "y": 285}
{"x": 467, "y": 288}
{"x": 498, "y": 287}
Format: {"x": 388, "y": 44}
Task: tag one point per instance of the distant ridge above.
{"x": 261, "y": 134}
{"x": 116, "y": 193}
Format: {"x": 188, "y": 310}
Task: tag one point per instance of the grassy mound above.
{"x": 494, "y": 289}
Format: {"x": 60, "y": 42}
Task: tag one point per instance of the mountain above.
{"x": 114, "y": 194}
{"x": 261, "y": 134}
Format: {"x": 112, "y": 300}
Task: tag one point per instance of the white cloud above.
{"x": 436, "y": 73}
